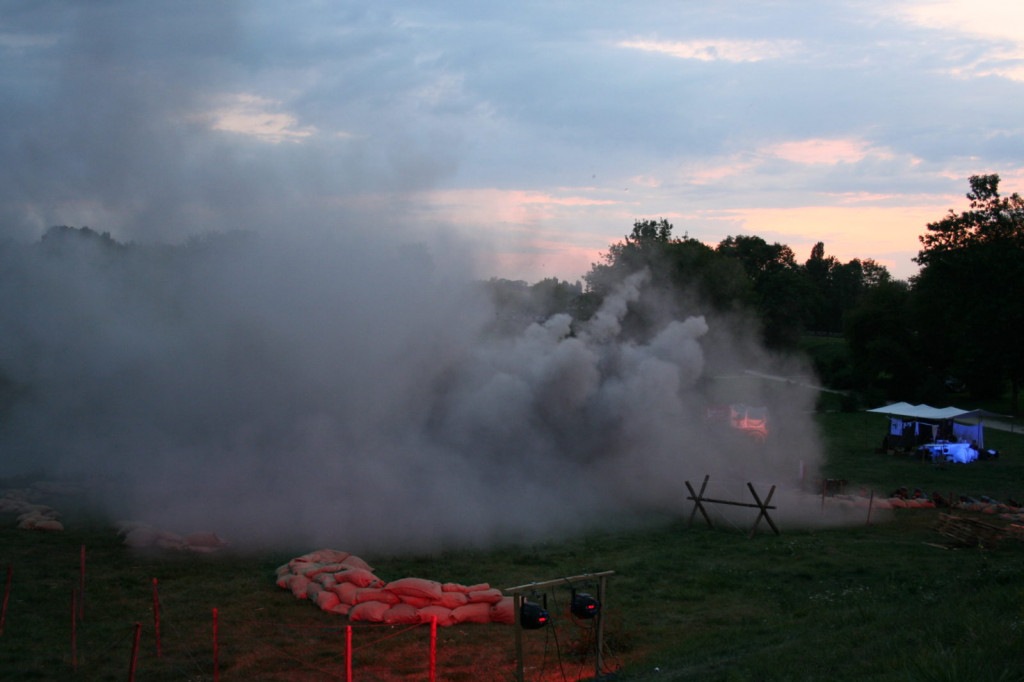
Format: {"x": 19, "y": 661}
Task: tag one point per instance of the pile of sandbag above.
{"x": 140, "y": 535}
{"x": 31, "y": 516}
{"x": 343, "y": 583}
{"x": 862, "y": 501}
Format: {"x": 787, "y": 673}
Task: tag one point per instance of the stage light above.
{"x": 583, "y": 605}
{"x": 532, "y": 616}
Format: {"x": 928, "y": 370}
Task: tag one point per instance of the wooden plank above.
{"x": 752, "y": 505}
{"x": 697, "y": 502}
{"x": 764, "y": 510}
{"x": 762, "y": 507}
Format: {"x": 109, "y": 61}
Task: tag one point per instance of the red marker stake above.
{"x": 81, "y": 585}
{"x": 216, "y": 672}
{"x": 74, "y": 629}
{"x": 7, "y": 598}
{"x": 135, "y": 653}
{"x": 156, "y": 618}
{"x": 348, "y": 653}
{"x": 433, "y": 648}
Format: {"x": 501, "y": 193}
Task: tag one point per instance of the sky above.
{"x": 533, "y": 133}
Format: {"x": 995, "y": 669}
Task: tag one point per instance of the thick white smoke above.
{"x": 355, "y": 395}
{"x": 324, "y": 382}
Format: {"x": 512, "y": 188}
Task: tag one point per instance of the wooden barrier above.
{"x": 699, "y": 500}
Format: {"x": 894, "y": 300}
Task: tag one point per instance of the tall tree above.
{"x": 883, "y": 345}
{"x": 781, "y": 294}
{"x": 687, "y": 276}
{"x": 970, "y": 290}
{"x": 838, "y": 287}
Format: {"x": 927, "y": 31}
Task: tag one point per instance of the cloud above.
{"x": 1001, "y": 20}
{"x": 999, "y": 24}
{"x": 533, "y": 233}
{"x": 493, "y": 205}
{"x": 715, "y": 49}
{"x": 820, "y": 151}
{"x": 157, "y": 125}
{"x": 18, "y": 43}
{"x": 248, "y": 114}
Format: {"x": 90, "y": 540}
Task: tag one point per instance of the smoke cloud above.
{"x": 331, "y": 375}
{"x": 355, "y": 394}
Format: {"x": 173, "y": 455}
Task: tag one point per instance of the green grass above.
{"x": 852, "y": 439}
{"x": 887, "y": 601}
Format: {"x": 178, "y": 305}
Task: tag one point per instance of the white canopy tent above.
{"x": 930, "y": 413}
{"x": 916, "y": 425}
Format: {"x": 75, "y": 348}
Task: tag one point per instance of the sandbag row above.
{"x": 31, "y": 516}
{"x": 342, "y": 583}
{"x": 862, "y": 502}
{"x": 140, "y": 535}
{"x": 898, "y": 502}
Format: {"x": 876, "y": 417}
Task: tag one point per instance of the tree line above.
{"x": 954, "y": 326}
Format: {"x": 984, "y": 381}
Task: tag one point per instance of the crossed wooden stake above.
{"x": 699, "y": 500}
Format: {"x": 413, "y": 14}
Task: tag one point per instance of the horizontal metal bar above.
{"x": 575, "y": 578}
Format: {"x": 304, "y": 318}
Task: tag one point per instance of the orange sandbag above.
{"x": 479, "y": 612}
{"x": 298, "y": 586}
{"x": 141, "y": 536}
{"x": 326, "y": 579}
{"x": 285, "y": 580}
{"x": 491, "y": 596}
{"x": 315, "y": 570}
{"x": 352, "y": 561}
{"x": 46, "y": 523}
{"x": 360, "y": 577}
{"x": 325, "y": 556}
{"x": 370, "y": 611}
{"x": 443, "y": 615}
{"x": 313, "y": 588}
{"x": 327, "y": 600}
{"x": 458, "y": 587}
{"x": 375, "y": 594}
{"x": 452, "y": 600}
{"x": 504, "y": 611}
{"x": 402, "y": 614}
{"x": 346, "y": 592}
{"x": 416, "y": 587}
{"x": 418, "y": 602}
{"x": 341, "y": 609}
{"x": 454, "y": 587}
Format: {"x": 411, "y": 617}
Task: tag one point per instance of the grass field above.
{"x": 886, "y": 601}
